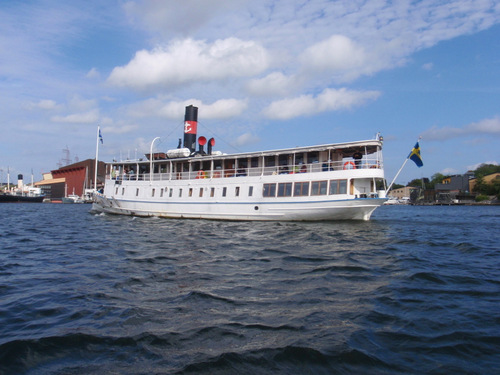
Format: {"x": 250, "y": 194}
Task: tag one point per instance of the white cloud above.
{"x": 428, "y": 66}
{"x": 184, "y": 17}
{"x": 186, "y": 61}
{"x": 449, "y": 171}
{"x": 337, "y": 55}
{"x": 328, "y": 100}
{"x": 246, "y": 139}
{"x": 93, "y": 73}
{"x": 275, "y": 83}
{"x": 45, "y": 104}
{"x": 484, "y": 127}
{"x": 476, "y": 166}
{"x": 79, "y": 118}
{"x": 118, "y": 129}
{"x": 76, "y": 103}
{"x": 220, "y": 109}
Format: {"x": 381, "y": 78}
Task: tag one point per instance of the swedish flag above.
{"x": 415, "y": 155}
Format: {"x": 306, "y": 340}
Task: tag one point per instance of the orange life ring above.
{"x": 347, "y": 163}
{"x": 200, "y": 174}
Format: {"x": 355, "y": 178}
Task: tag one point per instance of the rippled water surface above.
{"x": 415, "y": 290}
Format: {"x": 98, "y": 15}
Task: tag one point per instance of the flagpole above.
{"x": 397, "y": 174}
{"x": 96, "y": 158}
{"x": 400, "y": 169}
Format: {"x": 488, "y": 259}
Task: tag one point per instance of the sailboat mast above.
{"x": 96, "y": 157}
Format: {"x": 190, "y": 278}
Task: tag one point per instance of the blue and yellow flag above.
{"x": 415, "y": 155}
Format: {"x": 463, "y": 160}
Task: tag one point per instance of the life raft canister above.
{"x": 347, "y": 163}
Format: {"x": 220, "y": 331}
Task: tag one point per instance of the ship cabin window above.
{"x": 116, "y": 191}
{"x": 161, "y": 193}
{"x": 201, "y": 192}
{"x": 312, "y": 157}
{"x": 285, "y": 189}
{"x": 190, "y": 192}
{"x": 338, "y": 187}
{"x": 123, "y": 191}
{"x": 196, "y": 166}
{"x": 200, "y": 166}
{"x": 269, "y": 190}
{"x": 137, "y": 192}
{"x": 319, "y": 187}
{"x": 176, "y": 167}
{"x": 171, "y": 192}
{"x": 229, "y": 168}
{"x": 217, "y": 168}
{"x": 242, "y": 166}
{"x": 185, "y": 169}
{"x": 224, "y": 191}
{"x": 254, "y": 162}
{"x": 237, "y": 191}
{"x": 301, "y": 189}
{"x": 299, "y": 158}
{"x": 152, "y": 192}
{"x": 284, "y": 159}
{"x": 250, "y": 191}
{"x": 270, "y": 161}
{"x": 212, "y": 192}
{"x": 144, "y": 168}
{"x": 180, "y": 193}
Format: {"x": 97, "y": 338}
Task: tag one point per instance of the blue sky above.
{"x": 265, "y": 74}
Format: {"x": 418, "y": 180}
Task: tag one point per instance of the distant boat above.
{"x": 72, "y": 198}
{"x": 17, "y": 198}
{"x": 22, "y": 193}
{"x": 342, "y": 181}
{"x": 393, "y": 201}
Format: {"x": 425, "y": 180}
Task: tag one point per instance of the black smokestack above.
{"x": 201, "y": 141}
{"x": 211, "y": 143}
{"x": 190, "y": 127}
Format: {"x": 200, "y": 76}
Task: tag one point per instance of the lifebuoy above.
{"x": 347, "y": 163}
{"x": 200, "y": 174}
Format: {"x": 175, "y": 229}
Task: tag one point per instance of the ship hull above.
{"x": 7, "y": 198}
{"x": 350, "y": 209}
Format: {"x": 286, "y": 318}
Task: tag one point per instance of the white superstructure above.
{"x": 326, "y": 182}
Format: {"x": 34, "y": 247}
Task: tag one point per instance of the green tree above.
{"x": 436, "y": 178}
{"x": 480, "y": 185}
{"x": 417, "y": 182}
{"x": 486, "y": 169}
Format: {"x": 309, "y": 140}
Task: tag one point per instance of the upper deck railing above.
{"x": 127, "y": 173}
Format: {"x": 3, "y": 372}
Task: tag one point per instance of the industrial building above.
{"x": 72, "y": 179}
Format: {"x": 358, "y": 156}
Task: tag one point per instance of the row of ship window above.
{"x": 284, "y": 189}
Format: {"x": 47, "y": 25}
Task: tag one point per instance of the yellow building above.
{"x": 401, "y": 192}
{"x": 488, "y": 179}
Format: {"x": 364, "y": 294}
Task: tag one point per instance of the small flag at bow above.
{"x": 100, "y": 137}
{"x": 415, "y": 155}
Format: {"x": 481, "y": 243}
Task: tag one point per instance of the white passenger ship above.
{"x": 343, "y": 181}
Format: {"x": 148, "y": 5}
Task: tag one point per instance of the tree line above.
{"x": 480, "y": 188}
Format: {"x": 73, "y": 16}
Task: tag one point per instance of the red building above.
{"x": 72, "y": 179}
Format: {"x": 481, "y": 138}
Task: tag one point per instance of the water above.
{"x": 416, "y": 290}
